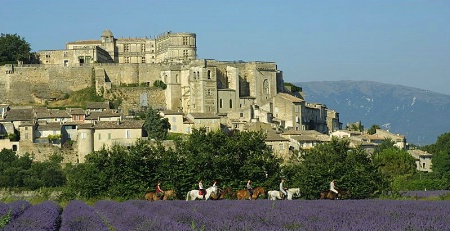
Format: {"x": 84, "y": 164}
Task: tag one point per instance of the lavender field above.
{"x": 228, "y": 215}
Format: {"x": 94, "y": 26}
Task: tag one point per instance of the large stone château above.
{"x": 233, "y": 94}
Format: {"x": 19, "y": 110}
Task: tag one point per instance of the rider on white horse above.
{"x": 333, "y": 187}
{"x": 283, "y": 189}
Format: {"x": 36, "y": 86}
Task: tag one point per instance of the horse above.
{"x": 328, "y": 194}
{"x": 170, "y": 194}
{"x": 277, "y": 195}
{"x": 274, "y": 195}
{"x": 227, "y": 193}
{"x": 244, "y": 194}
{"x": 194, "y": 194}
{"x": 293, "y": 192}
{"x": 151, "y": 196}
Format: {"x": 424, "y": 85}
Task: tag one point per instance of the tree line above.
{"x": 231, "y": 159}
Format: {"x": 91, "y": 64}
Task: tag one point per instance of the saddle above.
{"x": 200, "y": 192}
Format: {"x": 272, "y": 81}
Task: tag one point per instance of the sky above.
{"x": 403, "y": 42}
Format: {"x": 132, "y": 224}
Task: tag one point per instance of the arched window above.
{"x": 266, "y": 87}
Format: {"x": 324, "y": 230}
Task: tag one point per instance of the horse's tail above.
{"x": 187, "y": 196}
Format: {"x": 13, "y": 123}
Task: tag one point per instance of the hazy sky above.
{"x": 403, "y": 42}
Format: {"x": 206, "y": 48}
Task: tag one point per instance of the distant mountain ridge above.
{"x": 420, "y": 115}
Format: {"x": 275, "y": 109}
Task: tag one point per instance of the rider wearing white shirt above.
{"x": 333, "y": 187}
{"x": 282, "y": 189}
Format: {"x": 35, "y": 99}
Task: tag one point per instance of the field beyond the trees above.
{"x": 227, "y": 215}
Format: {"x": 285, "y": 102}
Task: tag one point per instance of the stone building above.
{"x": 166, "y": 47}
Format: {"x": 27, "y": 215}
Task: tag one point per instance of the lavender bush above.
{"x": 11, "y": 211}
{"x": 44, "y": 216}
{"x": 413, "y": 215}
{"x": 78, "y": 216}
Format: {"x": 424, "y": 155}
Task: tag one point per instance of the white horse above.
{"x": 293, "y": 192}
{"x": 276, "y": 195}
{"x": 193, "y": 194}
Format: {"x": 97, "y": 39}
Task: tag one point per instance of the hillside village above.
{"x": 197, "y": 93}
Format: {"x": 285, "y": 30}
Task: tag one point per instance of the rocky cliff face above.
{"x": 419, "y": 114}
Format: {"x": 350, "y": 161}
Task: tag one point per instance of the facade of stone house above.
{"x": 105, "y": 134}
{"x": 288, "y": 111}
{"x": 175, "y": 119}
{"x": 304, "y": 139}
{"x": 210, "y": 122}
{"x": 422, "y": 159}
{"x": 278, "y": 144}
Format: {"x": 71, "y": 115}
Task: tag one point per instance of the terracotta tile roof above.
{"x": 75, "y": 111}
{"x": 125, "y": 124}
{"x": 98, "y": 105}
{"x": 102, "y": 114}
{"x": 51, "y": 113}
{"x": 50, "y": 127}
{"x": 19, "y": 115}
{"x": 290, "y": 98}
{"x": 272, "y": 136}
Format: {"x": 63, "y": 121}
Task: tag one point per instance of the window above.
{"x": 209, "y": 74}
{"x": 127, "y": 59}
{"x": 185, "y": 40}
{"x": 266, "y": 87}
{"x": 231, "y": 103}
{"x": 83, "y": 135}
{"x": 280, "y": 147}
{"x": 126, "y": 47}
{"x": 220, "y": 103}
{"x": 128, "y": 134}
{"x": 99, "y": 136}
{"x": 174, "y": 128}
{"x": 188, "y": 130}
{"x": 241, "y": 114}
{"x": 423, "y": 165}
{"x": 207, "y": 129}
{"x": 26, "y": 136}
{"x": 185, "y": 53}
{"x": 109, "y": 136}
{"x": 143, "y": 59}
{"x": 143, "y": 48}
{"x": 174, "y": 119}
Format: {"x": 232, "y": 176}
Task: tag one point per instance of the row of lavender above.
{"x": 228, "y": 215}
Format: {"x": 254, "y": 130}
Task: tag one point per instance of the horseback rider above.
{"x": 283, "y": 189}
{"x": 249, "y": 189}
{"x": 200, "y": 188}
{"x": 159, "y": 191}
{"x": 333, "y": 187}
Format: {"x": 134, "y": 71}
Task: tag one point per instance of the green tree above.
{"x": 394, "y": 162}
{"x": 155, "y": 125}
{"x": 441, "y": 157}
{"x": 13, "y": 48}
{"x": 351, "y": 168}
{"x": 372, "y": 130}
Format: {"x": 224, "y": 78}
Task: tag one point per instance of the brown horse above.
{"x": 226, "y": 193}
{"x": 167, "y": 195}
{"x": 328, "y": 194}
{"x": 151, "y": 196}
{"x": 244, "y": 194}
{"x": 170, "y": 194}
